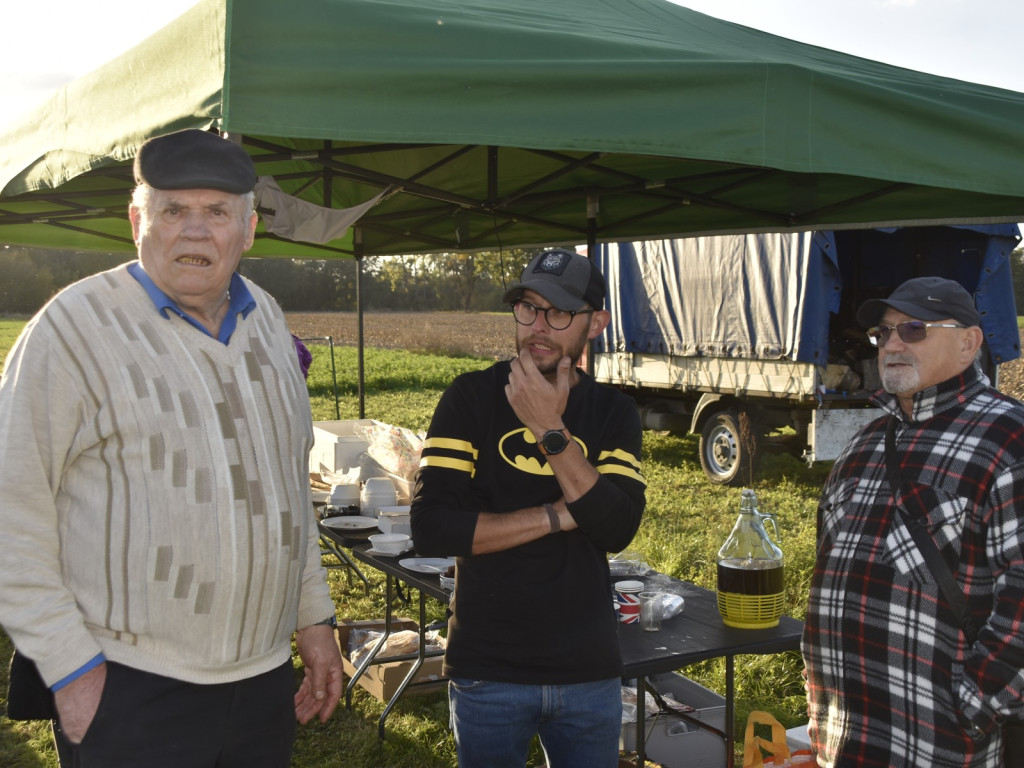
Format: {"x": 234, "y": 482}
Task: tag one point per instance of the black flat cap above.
{"x": 195, "y": 159}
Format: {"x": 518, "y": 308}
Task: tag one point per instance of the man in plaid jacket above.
{"x": 891, "y": 679}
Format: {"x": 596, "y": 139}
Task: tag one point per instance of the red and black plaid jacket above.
{"x": 891, "y": 680}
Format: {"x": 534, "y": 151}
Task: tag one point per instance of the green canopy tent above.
{"x": 491, "y": 123}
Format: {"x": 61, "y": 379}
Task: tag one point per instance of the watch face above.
{"x": 554, "y": 441}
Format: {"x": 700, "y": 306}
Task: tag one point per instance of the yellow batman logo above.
{"x": 519, "y": 449}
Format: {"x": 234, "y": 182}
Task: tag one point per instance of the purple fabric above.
{"x": 305, "y": 356}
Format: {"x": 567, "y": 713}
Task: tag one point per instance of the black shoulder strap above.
{"x": 925, "y": 543}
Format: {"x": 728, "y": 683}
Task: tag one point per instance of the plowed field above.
{"x": 482, "y": 335}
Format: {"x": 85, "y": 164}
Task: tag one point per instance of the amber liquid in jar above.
{"x": 750, "y": 577}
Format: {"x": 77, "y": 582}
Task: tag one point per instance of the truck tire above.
{"x": 724, "y": 458}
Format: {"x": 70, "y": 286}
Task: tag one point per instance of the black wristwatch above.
{"x": 554, "y": 441}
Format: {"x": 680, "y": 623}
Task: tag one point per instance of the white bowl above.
{"x": 344, "y": 494}
{"x": 390, "y": 543}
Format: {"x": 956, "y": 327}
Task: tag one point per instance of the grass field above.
{"x": 687, "y": 519}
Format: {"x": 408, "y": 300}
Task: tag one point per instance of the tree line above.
{"x": 441, "y": 282}
{"x": 468, "y": 282}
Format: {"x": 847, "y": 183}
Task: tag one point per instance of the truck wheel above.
{"x": 723, "y": 456}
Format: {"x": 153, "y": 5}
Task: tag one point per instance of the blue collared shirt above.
{"x": 239, "y": 301}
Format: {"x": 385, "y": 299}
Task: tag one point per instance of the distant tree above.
{"x": 24, "y": 286}
{"x": 475, "y": 281}
{"x": 30, "y": 276}
{"x": 450, "y": 281}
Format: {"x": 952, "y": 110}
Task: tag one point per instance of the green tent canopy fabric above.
{"x": 497, "y": 123}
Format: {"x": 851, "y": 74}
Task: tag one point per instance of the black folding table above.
{"x": 697, "y": 634}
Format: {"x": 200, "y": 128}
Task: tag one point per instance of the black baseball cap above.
{"x": 567, "y": 279}
{"x": 924, "y": 298}
{"x": 195, "y": 159}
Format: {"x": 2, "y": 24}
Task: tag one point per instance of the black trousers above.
{"x": 148, "y": 721}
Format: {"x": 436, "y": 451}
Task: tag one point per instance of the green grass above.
{"x": 9, "y": 330}
{"x": 686, "y": 521}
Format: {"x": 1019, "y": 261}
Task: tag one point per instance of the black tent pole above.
{"x": 357, "y": 243}
{"x": 593, "y": 206}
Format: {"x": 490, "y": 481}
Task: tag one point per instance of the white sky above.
{"x": 46, "y": 43}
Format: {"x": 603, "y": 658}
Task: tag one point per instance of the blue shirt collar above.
{"x": 240, "y": 300}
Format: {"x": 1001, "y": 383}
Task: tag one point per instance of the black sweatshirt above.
{"x": 539, "y": 613}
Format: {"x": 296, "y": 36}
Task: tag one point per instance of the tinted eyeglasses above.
{"x": 557, "y": 319}
{"x": 910, "y": 332}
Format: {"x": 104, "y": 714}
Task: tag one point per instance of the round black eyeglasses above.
{"x": 557, "y": 319}
{"x": 910, "y": 332}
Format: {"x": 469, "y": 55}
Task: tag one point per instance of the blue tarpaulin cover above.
{"x": 771, "y": 296}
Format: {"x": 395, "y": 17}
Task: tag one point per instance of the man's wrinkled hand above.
{"x": 320, "y": 691}
{"x": 78, "y": 701}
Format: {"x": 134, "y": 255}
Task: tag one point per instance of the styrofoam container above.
{"x": 377, "y": 492}
{"x": 798, "y": 738}
{"x": 395, "y": 520}
{"x": 336, "y": 445}
{"x": 675, "y": 743}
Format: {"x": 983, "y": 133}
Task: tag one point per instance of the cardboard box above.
{"x": 336, "y": 446}
{"x": 676, "y": 743}
{"x": 383, "y": 679}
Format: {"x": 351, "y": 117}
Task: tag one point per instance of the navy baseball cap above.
{"x": 924, "y": 298}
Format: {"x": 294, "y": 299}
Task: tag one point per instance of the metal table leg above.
{"x": 730, "y": 712}
{"x": 346, "y": 562}
{"x": 641, "y": 714}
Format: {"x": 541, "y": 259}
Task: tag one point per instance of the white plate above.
{"x": 350, "y": 523}
{"x": 427, "y": 564}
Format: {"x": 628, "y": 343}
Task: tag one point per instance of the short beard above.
{"x": 898, "y": 381}
{"x": 574, "y": 350}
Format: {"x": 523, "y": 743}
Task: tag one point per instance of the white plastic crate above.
{"x": 676, "y": 743}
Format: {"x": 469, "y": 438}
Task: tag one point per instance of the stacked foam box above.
{"x": 336, "y": 445}
{"x": 676, "y": 743}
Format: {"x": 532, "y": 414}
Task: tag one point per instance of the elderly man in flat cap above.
{"x": 159, "y": 544}
{"x": 929, "y": 493}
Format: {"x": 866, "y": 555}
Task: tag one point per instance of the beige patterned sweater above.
{"x": 154, "y": 495}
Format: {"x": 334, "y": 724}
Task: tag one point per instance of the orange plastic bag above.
{"x": 776, "y": 746}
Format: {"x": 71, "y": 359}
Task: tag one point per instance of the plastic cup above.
{"x": 650, "y": 611}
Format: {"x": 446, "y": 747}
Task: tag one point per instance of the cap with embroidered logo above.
{"x": 567, "y": 279}
{"x": 924, "y": 298}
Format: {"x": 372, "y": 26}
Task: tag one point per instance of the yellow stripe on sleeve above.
{"x": 620, "y": 455}
{"x": 445, "y": 462}
{"x": 450, "y": 444}
{"x": 618, "y": 469}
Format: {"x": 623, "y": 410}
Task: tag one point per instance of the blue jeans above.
{"x": 494, "y": 723}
